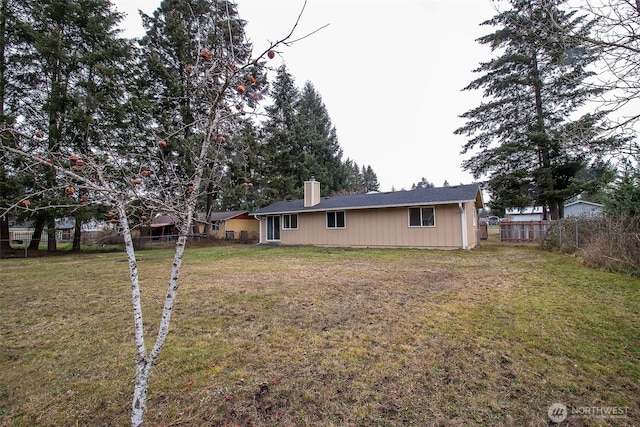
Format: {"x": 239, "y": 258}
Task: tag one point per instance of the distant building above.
{"x": 582, "y": 208}
{"x": 525, "y": 214}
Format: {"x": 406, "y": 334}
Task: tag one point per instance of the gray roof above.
{"x": 417, "y": 197}
{"x": 223, "y": 216}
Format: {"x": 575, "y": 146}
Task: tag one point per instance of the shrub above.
{"x": 614, "y": 244}
{"x": 611, "y": 242}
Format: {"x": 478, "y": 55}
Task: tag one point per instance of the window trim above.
{"x": 335, "y": 214}
{"x": 433, "y": 209}
{"x": 289, "y": 222}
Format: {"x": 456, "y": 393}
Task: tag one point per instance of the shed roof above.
{"x": 163, "y": 221}
{"x": 417, "y": 197}
{"x": 224, "y": 216}
{"x": 584, "y": 202}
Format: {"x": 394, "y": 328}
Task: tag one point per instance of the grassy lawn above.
{"x": 271, "y": 336}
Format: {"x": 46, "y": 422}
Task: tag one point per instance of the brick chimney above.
{"x": 311, "y": 192}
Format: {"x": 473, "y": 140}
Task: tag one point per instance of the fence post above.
{"x": 577, "y": 240}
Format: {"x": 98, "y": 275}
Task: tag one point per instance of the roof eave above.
{"x": 351, "y": 208}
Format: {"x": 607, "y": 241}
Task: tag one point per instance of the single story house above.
{"x": 435, "y": 218}
{"x": 233, "y": 225}
{"x": 582, "y": 208}
{"x": 576, "y": 208}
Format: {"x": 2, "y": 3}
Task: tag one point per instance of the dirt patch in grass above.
{"x": 329, "y": 337}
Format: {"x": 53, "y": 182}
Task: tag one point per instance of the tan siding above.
{"x": 251, "y": 226}
{"x": 380, "y": 227}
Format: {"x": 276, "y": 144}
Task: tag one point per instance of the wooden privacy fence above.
{"x": 523, "y": 231}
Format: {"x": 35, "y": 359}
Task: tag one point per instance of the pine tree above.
{"x": 531, "y": 144}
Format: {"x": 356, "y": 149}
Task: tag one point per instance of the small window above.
{"x": 336, "y": 220}
{"x": 422, "y": 217}
{"x": 290, "y": 221}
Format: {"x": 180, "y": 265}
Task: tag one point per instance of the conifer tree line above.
{"x": 295, "y": 142}
{"x": 71, "y": 87}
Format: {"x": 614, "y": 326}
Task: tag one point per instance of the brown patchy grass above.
{"x": 325, "y": 337}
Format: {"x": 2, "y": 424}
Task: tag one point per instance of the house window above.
{"x": 290, "y": 221}
{"x": 273, "y": 228}
{"x": 422, "y": 217}
{"x": 215, "y": 226}
{"x": 336, "y": 219}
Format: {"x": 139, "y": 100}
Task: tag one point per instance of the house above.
{"x": 534, "y": 213}
{"x": 233, "y": 225}
{"x": 582, "y": 208}
{"x": 436, "y": 218}
{"x": 576, "y": 208}
{"x": 163, "y": 227}
{"x": 65, "y": 229}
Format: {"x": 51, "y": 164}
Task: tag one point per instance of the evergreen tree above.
{"x": 323, "y": 155}
{"x": 178, "y": 104}
{"x": 369, "y": 179}
{"x": 242, "y": 187}
{"x": 354, "y": 182}
{"x": 300, "y": 142}
{"x": 10, "y": 187}
{"x": 69, "y": 57}
{"x": 284, "y": 157}
{"x": 531, "y": 144}
{"x": 623, "y": 201}
{"x": 422, "y": 184}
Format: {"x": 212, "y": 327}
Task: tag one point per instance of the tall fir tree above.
{"x": 66, "y": 57}
{"x": 323, "y": 155}
{"x": 178, "y": 106}
{"x": 10, "y": 186}
{"x": 284, "y": 154}
{"x": 529, "y": 140}
{"x": 242, "y": 187}
{"x": 370, "y": 179}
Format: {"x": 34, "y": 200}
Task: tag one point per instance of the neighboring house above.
{"x": 23, "y": 232}
{"x": 234, "y": 225}
{"x": 582, "y": 208}
{"x": 436, "y": 218}
{"x": 525, "y": 214}
{"x": 570, "y": 209}
{"x": 162, "y": 226}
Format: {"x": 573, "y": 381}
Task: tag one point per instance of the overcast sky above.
{"x": 390, "y": 74}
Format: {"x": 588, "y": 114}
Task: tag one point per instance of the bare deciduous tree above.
{"x": 616, "y": 37}
{"x": 135, "y": 178}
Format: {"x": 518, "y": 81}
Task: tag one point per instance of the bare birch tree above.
{"x": 133, "y": 178}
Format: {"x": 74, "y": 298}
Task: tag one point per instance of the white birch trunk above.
{"x": 144, "y": 361}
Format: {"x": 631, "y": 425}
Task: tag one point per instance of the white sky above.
{"x": 390, "y": 74}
